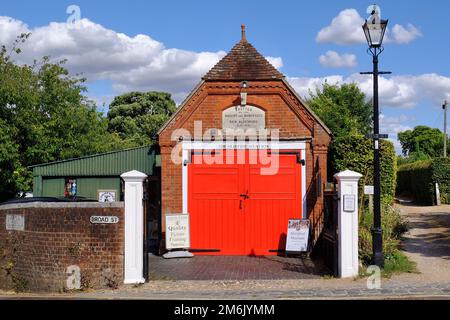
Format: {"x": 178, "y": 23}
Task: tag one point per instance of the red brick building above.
{"x": 234, "y": 208}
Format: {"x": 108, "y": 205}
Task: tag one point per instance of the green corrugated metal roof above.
{"x": 107, "y": 164}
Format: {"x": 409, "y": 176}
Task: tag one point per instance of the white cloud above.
{"x": 130, "y": 63}
{"x": 346, "y": 29}
{"x": 142, "y": 63}
{"x": 403, "y": 35}
{"x": 303, "y": 85}
{"x": 392, "y": 126}
{"x": 332, "y": 59}
{"x": 277, "y": 62}
{"x": 397, "y": 91}
{"x": 9, "y": 29}
{"x": 407, "y": 91}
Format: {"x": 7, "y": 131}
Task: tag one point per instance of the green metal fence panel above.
{"x": 108, "y": 164}
{"x": 37, "y": 186}
{"x": 88, "y": 187}
{"x": 53, "y": 187}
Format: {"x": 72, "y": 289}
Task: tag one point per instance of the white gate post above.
{"x": 348, "y": 263}
{"x": 134, "y": 227}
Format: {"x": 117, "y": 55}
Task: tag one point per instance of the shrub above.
{"x": 393, "y": 225}
{"x": 418, "y": 180}
{"x": 356, "y": 153}
{"x": 441, "y": 175}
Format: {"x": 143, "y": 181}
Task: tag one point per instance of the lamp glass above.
{"x": 374, "y": 33}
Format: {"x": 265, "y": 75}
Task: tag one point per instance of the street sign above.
{"x": 104, "y": 219}
{"x": 377, "y": 136}
{"x": 369, "y": 190}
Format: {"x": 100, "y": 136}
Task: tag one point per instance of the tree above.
{"x": 9, "y": 157}
{"x": 137, "y": 116}
{"x": 422, "y": 142}
{"x": 343, "y": 109}
{"x": 44, "y": 117}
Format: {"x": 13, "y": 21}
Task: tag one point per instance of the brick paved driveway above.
{"x": 234, "y": 268}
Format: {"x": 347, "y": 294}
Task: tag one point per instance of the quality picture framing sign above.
{"x": 297, "y": 235}
{"x": 177, "y": 231}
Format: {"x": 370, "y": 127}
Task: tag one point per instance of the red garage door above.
{"x": 235, "y": 210}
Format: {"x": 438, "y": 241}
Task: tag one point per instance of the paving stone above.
{"x": 233, "y": 268}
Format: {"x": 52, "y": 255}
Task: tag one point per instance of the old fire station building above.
{"x": 234, "y": 209}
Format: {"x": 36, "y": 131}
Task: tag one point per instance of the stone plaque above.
{"x": 243, "y": 117}
{"x": 15, "y": 222}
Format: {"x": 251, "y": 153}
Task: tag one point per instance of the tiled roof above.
{"x": 243, "y": 62}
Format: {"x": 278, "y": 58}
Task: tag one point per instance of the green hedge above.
{"x": 356, "y": 153}
{"x": 418, "y": 180}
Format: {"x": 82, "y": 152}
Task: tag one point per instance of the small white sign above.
{"x": 349, "y": 202}
{"x": 297, "y": 235}
{"x": 15, "y": 222}
{"x": 177, "y": 231}
{"x": 106, "y": 195}
{"x": 104, "y": 219}
{"x": 368, "y": 190}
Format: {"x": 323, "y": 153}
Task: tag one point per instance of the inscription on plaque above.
{"x": 243, "y": 117}
{"x": 15, "y": 222}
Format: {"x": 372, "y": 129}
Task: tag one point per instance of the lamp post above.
{"x": 445, "y": 106}
{"x": 374, "y": 30}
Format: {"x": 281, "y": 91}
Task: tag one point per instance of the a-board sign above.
{"x": 297, "y": 235}
{"x": 177, "y": 231}
{"x": 104, "y": 219}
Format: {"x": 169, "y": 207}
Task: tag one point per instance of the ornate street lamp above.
{"x": 374, "y": 29}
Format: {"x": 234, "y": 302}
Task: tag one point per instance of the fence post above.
{"x": 348, "y": 263}
{"x": 134, "y": 227}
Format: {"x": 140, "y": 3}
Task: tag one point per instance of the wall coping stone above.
{"x": 62, "y": 205}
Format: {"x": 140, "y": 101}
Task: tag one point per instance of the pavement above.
{"x": 236, "y": 268}
{"x": 427, "y": 243}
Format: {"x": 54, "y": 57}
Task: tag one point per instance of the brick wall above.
{"x": 56, "y": 236}
{"x": 283, "y": 111}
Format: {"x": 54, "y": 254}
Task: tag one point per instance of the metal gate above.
{"x": 329, "y": 235}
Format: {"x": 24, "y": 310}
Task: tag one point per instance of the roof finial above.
{"x": 244, "y": 39}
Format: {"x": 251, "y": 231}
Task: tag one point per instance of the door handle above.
{"x": 245, "y": 196}
{"x": 240, "y": 204}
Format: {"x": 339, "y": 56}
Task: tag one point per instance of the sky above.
{"x": 169, "y": 45}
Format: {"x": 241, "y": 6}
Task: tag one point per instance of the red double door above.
{"x": 237, "y": 209}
